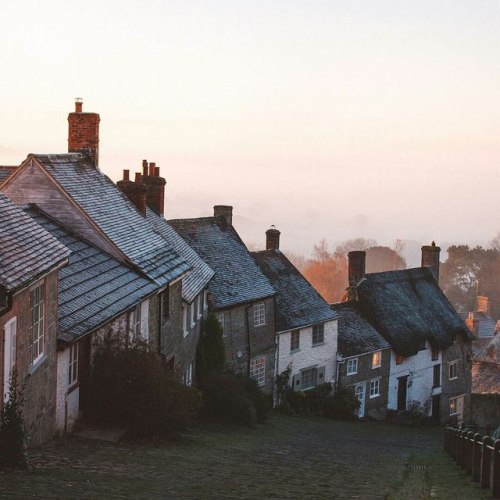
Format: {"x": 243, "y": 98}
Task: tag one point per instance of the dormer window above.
{"x": 377, "y": 359}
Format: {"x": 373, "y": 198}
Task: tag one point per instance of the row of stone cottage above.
{"x": 81, "y": 256}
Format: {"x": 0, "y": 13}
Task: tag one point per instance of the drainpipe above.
{"x": 340, "y": 361}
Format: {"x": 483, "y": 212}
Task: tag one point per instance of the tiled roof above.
{"x": 298, "y": 304}
{"x": 356, "y": 335}
{"x": 485, "y": 323}
{"x": 485, "y": 377}
{"x": 27, "y": 251}
{"x": 407, "y": 307}
{"x": 115, "y": 215}
{"x": 5, "y": 172}
{"x": 94, "y": 287}
{"x": 487, "y": 349}
{"x": 237, "y": 277}
{"x": 201, "y": 274}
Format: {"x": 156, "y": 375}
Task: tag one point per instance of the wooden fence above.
{"x": 478, "y": 455}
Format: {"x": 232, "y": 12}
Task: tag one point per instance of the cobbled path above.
{"x": 287, "y": 457}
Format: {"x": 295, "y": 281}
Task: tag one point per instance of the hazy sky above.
{"x": 330, "y": 119}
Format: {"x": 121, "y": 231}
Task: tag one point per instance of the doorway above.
{"x": 402, "y": 392}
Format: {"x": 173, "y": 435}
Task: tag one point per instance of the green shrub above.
{"x": 343, "y": 404}
{"x": 211, "y": 354}
{"x": 131, "y": 386}
{"x": 12, "y": 433}
{"x": 234, "y": 399}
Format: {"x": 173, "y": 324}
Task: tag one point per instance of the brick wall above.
{"x": 485, "y": 410}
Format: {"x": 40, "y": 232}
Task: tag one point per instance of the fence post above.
{"x": 476, "y": 457}
{"x": 496, "y": 469}
{"x": 469, "y": 451}
{"x": 486, "y": 462}
{"x": 463, "y": 458}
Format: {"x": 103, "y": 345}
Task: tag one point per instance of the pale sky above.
{"x": 330, "y": 119}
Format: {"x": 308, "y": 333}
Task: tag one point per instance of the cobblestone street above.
{"x": 288, "y": 457}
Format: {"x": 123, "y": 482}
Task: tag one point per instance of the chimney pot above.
{"x": 157, "y": 172}
{"x": 483, "y": 304}
{"x": 430, "y": 258}
{"x": 126, "y": 175}
{"x": 78, "y": 104}
{"x": 356, "y": 270}
{"x": 272, "y": 238}
{"x": 138, "y": 178}
{"x": 144, "y": 163}
{"x": 152, "y": 169}
{"x": 225, "y": 211}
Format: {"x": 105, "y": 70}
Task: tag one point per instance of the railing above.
{"x": 478, "y": 455}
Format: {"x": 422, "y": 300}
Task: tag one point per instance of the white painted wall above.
{"x": 419, "y": 369}
{"x": 309, "y": 355}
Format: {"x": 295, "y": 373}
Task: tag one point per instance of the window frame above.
{"x": 257, "y": 369}
{"x": 453, "y": 370}
{"x": 349, "y": 369}
{"x": 318, "y": 334}
{"x": 135, "y": 322}
{"x": 259, "y": 314}
{"x": 377, "y": 355}
{"x": 375, "y": 388}
{"x": 221, "y": 318}
{"x": 295, "y": 340}
{"x": 312, "y": 374}
{"x": 74, "y": 351}
{"x": 37, "y": 325}
{"x": 185, "y": 314}
{"x": 436, "y": 376}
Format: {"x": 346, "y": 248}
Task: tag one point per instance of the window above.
{"x": 185, "y": 313}
{"x": 73, "y": 364}
{"x": 435, "y": 354}
{"x": 258, "y": 369}
{"x": 352, "y": 366}
{"x": 436, "y": 378}
{"x": 205, "y": 299}
{"x": 399, "y": 359}
{"x": 456, "y": 406}
{"x": 188, "y": 375}
{"x": 222, "y": 321}
{"x": 36, "y": 329}
{"x": 135, "y": 322}
{"x": 164, "y": 305}
{"x": 259, "y": 314}
{"x": 10, "y": 355}
{"x": 295, "y": 340}
{"x": 375, "y": 388}
{"x": 453, "y": 370}
{"x": 200, "y": 305}
{"x": 376, "y": 359}
{"x": 308, "y": 378}
{"x": 192, "y": 307}
{"x": 318, "y": 334}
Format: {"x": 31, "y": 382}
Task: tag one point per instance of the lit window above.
{"x": 73, "y": 364}
{"x": 352, "y": 366}
{"x": 36, "y": 329}
{"x": 375, "y": 388}
{"x": 259, "y": 314}
{"x": 318, "y": 334}
{"x": 456, "y": 407}
{"x": 453, "y": 370}
{"x": 295, "y": 340}
{"x": 399, "y": 359}
{"x": 258, "y": 369}
{"x": 376, "y": 359}
{"x": 308, "y": 378}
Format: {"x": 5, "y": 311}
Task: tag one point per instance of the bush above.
{"x": 234, "y": 399}
{"x": 211, "y": 354}
{"x": 132, "y": 386}
{"x": 12, "y": 433}
{"x": 343, "y": 405}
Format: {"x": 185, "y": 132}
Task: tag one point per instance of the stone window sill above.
{"x": 33, "y": 368}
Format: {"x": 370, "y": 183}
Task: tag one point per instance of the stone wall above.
{"x": 485, "y": 410}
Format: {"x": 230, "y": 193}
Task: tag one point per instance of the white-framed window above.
{"x": 193, "y": 313}
{"x": 185, "y": 313}
{"x": 453, "y": 370}
{"x": 258, "y": 369}
{"x": 374, "y": 388}
{"x": 200, "y": 305}
{"x": 73, "y": 364}
{"x": 259, "y": 314}
{"x": 294, "y": 340}
{"x": 188, "y": 375}
{"x": 308, "y": 378}
{"x": 352, "y": 366}
{"x": 318, "y": 334}
{"x": 10, "y": 355}
{"x": 37, "y": 310}
{"x": 135, "y": 322}
{"x": 222, "y": 320}
{"x": 456, "y": 407}
{"x": 376, "y": 359}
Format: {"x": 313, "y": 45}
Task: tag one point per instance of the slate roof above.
{"x": 298, "y": 304}
{"x": 94, "y": 287}
{"x": 356, "y": 335}
{"x": 27, "y": 251}
{"x": 237, "y": 277}
{"x": 407, "y": 307}
{"x": 115, "y": 215}
{"x": 5, "y": 172}
{"x": 201, "y": 274}
{"x": 486, "y": 325}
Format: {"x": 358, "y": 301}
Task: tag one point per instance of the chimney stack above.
{"x": 483, "y": 304}
{"x": 83, "y": 132}
{"x": 473, "y": 324}
{"x": 224, "y": 211}
{"x": 356, "y": 266}
{"x": 430, "y": 258}
{"x": 135, "y": 191}
{"x": 155, "y": 186}
{"x": 272, "y": 239}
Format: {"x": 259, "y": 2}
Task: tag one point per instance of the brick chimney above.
{"x": 155, "y": 186}
{"x": 224, "y": 211}
{"x": 430, "y": 258}
{"x": 83, "y": 134}
{"x": 472, "y": 324}
{"x": 135, "y": 191}
{"x": 356, "y": 266}
{"x": 272, "y": 239}
{"x": 483, "y": 304}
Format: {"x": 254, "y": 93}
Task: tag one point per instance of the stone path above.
{"x": 288, "y": 457}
